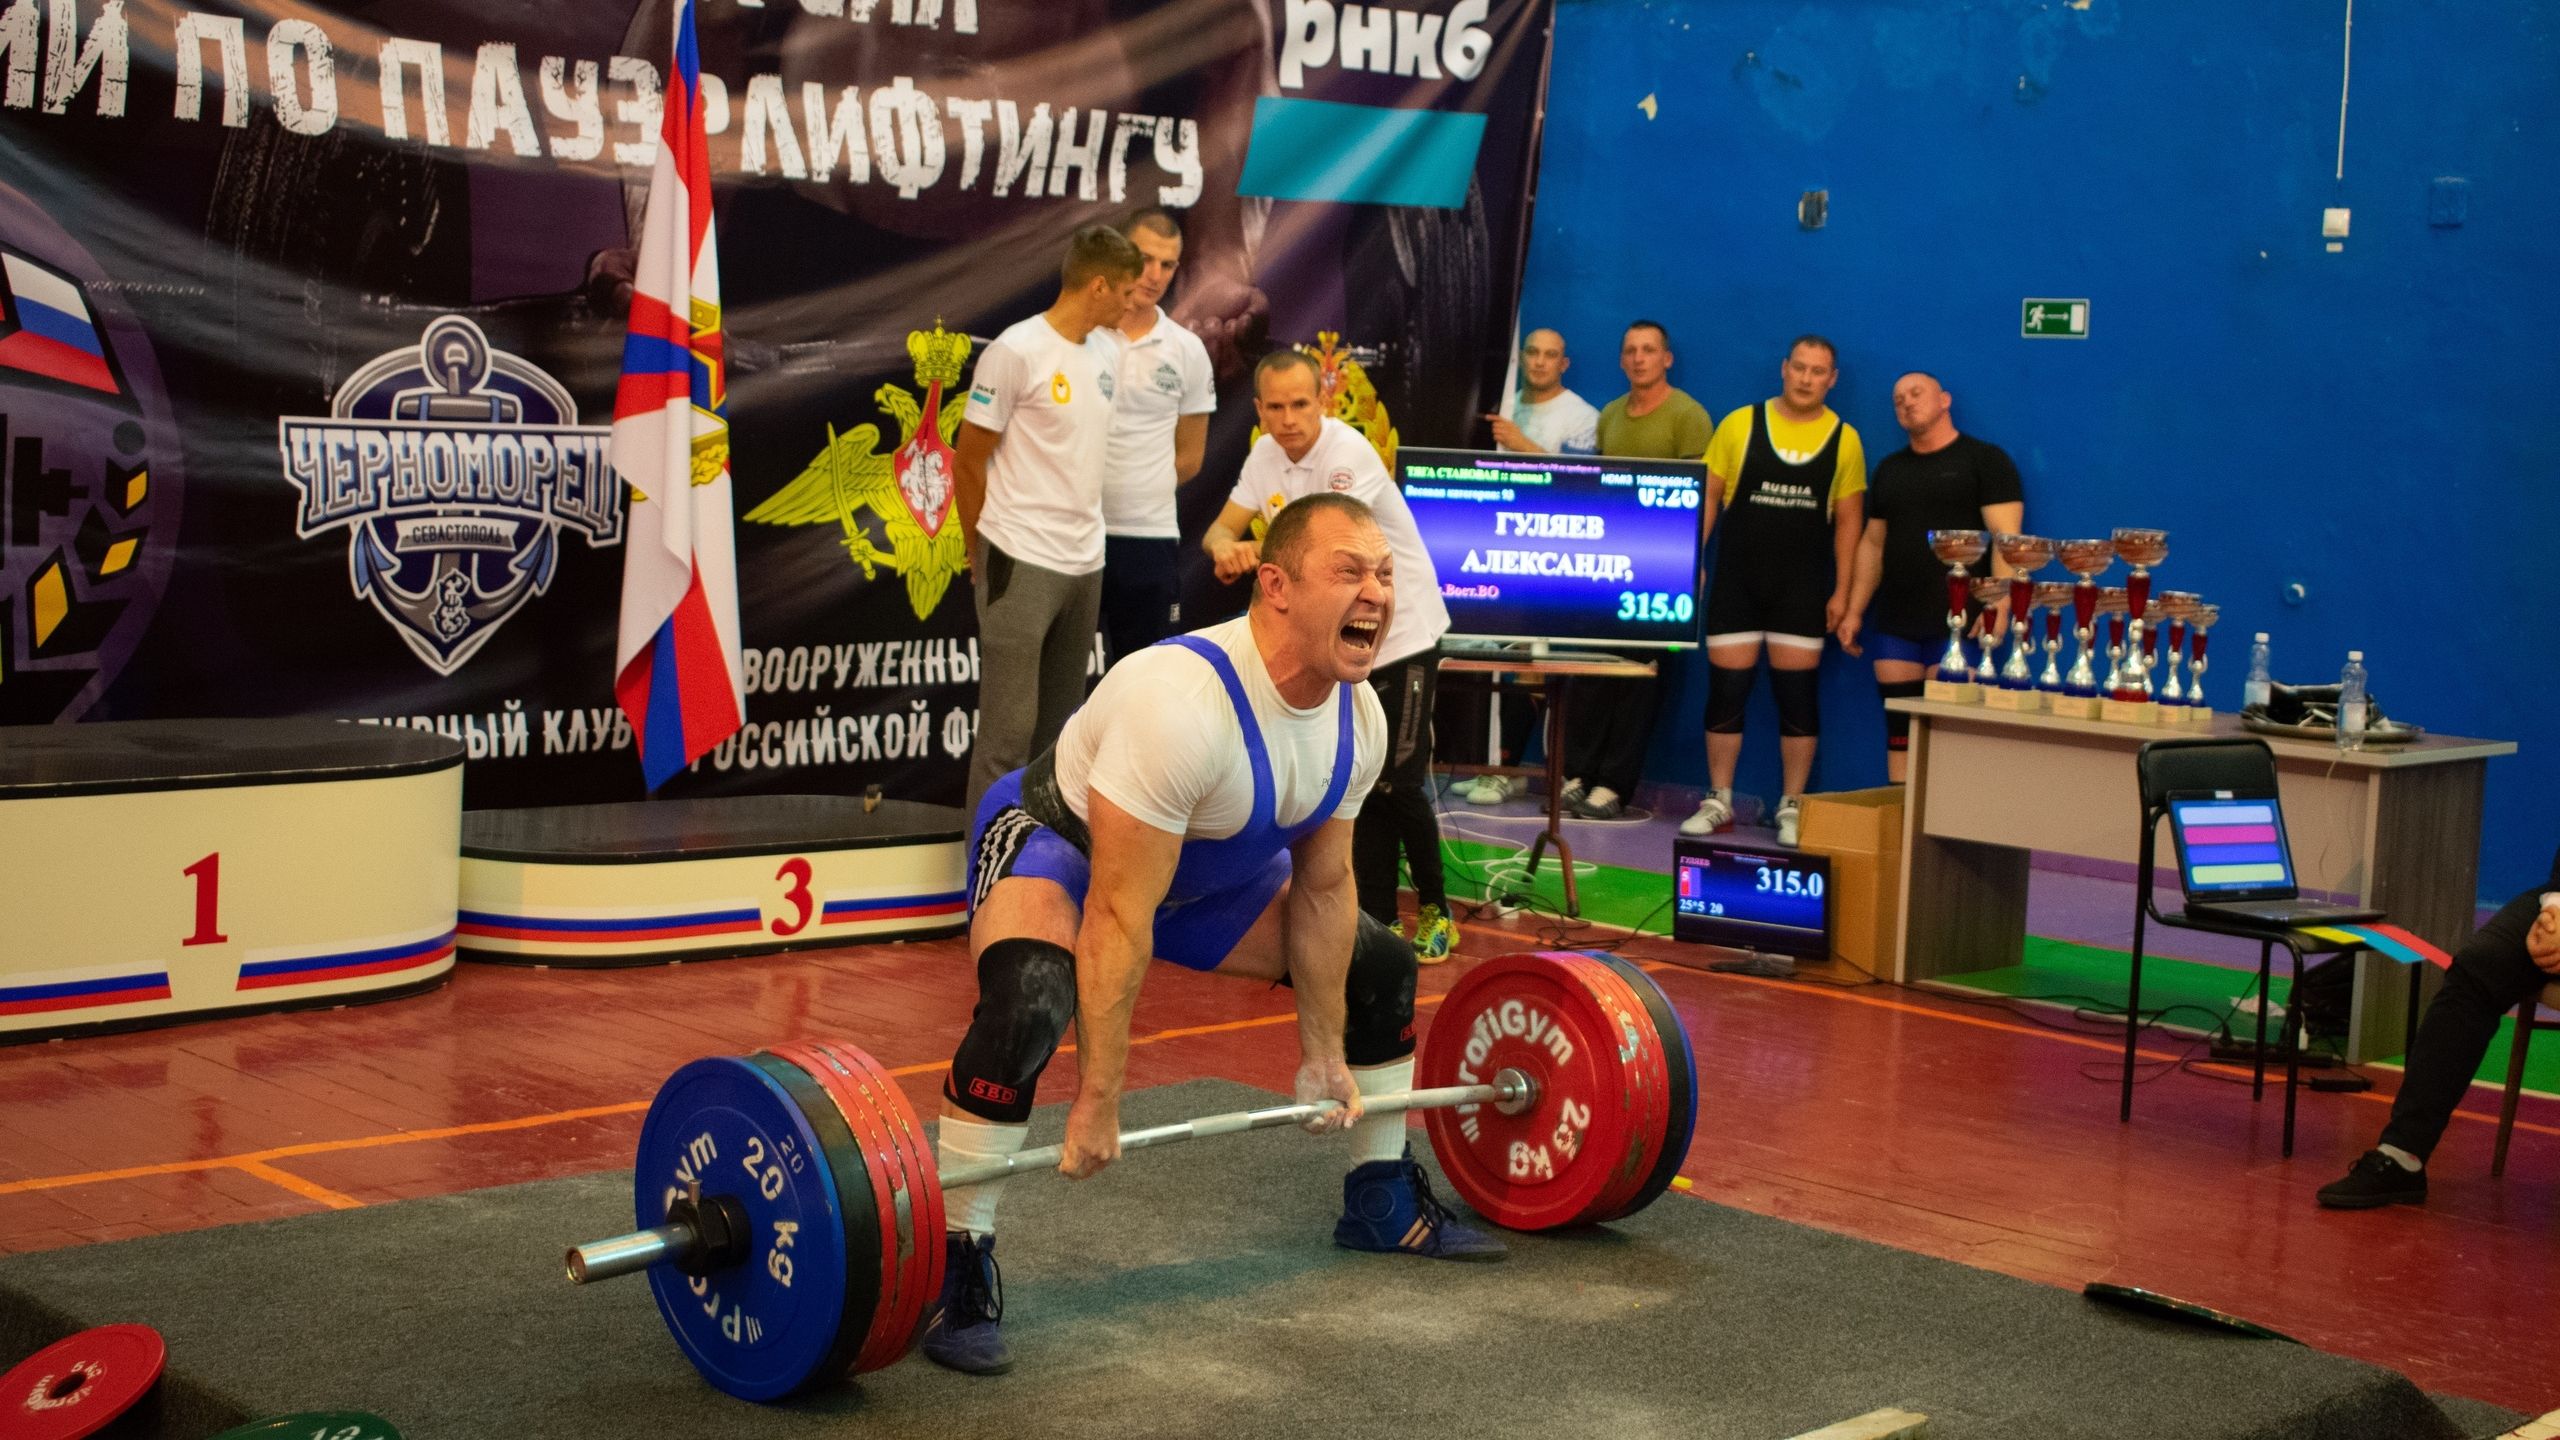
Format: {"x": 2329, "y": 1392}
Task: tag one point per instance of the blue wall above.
{"x": 2375, "y": 425}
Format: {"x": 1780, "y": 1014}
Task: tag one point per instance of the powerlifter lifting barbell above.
{"x": 792, "y": 1215}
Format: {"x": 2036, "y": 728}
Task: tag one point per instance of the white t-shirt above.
{"x": 1050, "y": 398}
{"x": 1160, "y": 377}
{"x": 1160, "y": 737}
{"x": 1562, "y": 424}
{"x": 1341, "y": 460}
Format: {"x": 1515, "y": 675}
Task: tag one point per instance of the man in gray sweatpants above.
{"x": 1029, "y": 470}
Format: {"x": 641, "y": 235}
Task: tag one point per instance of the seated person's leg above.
{"x": 2491, "y": 975}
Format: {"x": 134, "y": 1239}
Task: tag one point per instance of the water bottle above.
{"x": 2351, "y": 702}
{"x": 2261, "y": 685}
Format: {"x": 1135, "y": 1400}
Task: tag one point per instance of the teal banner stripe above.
{"x": 1360, "y": 154}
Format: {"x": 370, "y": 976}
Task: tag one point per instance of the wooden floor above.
{"x": 1958, "y": 1131}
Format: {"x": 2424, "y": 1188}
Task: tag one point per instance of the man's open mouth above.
{"x": 1361, "y": 634}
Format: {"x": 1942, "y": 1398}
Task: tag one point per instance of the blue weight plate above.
{"x": 1680, "y": 1063}
{"x": 764, "y": 1328}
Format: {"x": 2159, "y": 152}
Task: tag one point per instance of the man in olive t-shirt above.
{"x": 1608, "y": 723}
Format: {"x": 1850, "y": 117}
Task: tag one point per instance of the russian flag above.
{"x": 55, "y": 336}
{"x": 677, "y": 667}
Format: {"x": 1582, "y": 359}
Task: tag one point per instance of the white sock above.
{"x": 2403, "y": 1158}
{"x": 1380, "y": 1137}
{"x": 968, "y": 1142}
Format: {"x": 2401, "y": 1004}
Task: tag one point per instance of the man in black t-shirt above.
{"x": 1940, "y": 481}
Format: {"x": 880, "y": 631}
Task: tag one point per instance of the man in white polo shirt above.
{"x": 1029, "y": 469}
{"x": 1161, "y": 398}
{"x": 1304, "y": 451}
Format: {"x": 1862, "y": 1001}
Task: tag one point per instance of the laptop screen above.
{"x": 2231, "y": 846}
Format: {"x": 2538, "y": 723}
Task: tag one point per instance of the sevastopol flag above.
{"x": 677, "y": 669}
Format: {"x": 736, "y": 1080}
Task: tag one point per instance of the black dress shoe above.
{"x": 2374, "y": 1181}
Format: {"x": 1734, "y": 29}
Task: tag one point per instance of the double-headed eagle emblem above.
{"x": 912, "y": 526}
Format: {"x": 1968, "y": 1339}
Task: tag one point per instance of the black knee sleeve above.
{"x": 1379, "y": 1027}
{"x": 1026, "y": 997}
{"x": 1799, "y": 697}
{"x": 1728, "y": 695}
{"x": 1897, "y": 724}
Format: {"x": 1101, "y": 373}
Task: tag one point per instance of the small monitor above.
{"x": 1572, "y": 548}
{"x": 1745, "y": 897}
{"x": 2231, "y": 847}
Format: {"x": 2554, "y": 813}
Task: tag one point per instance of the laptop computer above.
{"x": 2234, "y": 864}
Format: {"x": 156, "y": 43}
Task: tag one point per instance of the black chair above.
{"x": 2167, "y": 767}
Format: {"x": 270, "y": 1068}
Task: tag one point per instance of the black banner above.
{"x": 310, "y": 322}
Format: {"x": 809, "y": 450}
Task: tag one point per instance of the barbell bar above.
{"x": 1510, "y": 1093}
{"x": 791, "y": 1213}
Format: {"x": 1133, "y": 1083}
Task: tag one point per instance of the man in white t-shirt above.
{"x": 1197, "y": 809}
{"x": 1548, "y": 419}
{"x": 1029, "y": 470}
{"x": 1304, "y": 451}
{"x": 1163, "y": 394}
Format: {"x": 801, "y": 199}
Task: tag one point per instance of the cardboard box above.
{"x": 1861, "y": 832}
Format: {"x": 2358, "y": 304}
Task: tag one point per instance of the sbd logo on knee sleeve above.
{"x": 993, "y": 1093}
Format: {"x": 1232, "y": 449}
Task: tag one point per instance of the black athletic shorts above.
{"x": 1781, "y": 604}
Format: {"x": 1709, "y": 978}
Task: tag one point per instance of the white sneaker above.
{"x": 1790, "y": 818}
{"x": 1571, "y": 794}
{"x": 1488, "y": 790}
{"x": 1714, "y": 813}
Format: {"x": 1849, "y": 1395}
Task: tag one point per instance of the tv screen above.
{"x": 1560, "y": 547}
{"x": 1749, "y": 898}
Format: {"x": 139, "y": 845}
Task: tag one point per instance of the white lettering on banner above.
{"x": 108, "y": 55}
{"x": 19, "y": 37}
{"x": 1178, "y": 150}
{"x": 498, "y": 105}
{"x": 1022, "y": 150}
{"x": 769, "y": 114}
{"x": 642, "y": 111}
{"x": 906, "y": 136}
{"x": 494, "y": 734}
{"x": 1382, "y": 40}
{"x": 231, "y": 43}
{"x": 842, "y": 136}
{"x": 1571, "y": 564}
{"x": 1074, "y": 156}
{"x": 973, "y": 116}
{"x": 715, "y": 107}
{"x": 307, "y": 104}
{"x": 427, "y": 58}
{"x": 577, "y": 102}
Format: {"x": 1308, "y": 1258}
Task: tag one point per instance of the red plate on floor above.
{"x": 79, "y": 1386}
{"x": 1640, "y": 1052}
{"x": 884, "y": 1164}
{"x": 1559, "y": 1161}
{"x": 925, "y": 1187}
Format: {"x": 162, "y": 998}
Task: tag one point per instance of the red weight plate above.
{"x": 921, "y": 1236}
{"x": 1534, "y": 1170}
{"x": 879, "y": 1163}
{"x": 927, "y": 1189}
{"x": 79, "y": 1386}
{"x": 1640, "y": 1055}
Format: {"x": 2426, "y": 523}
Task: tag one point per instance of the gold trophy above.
{"x": 2016, "y": 690}
{"x": 1953, "y": 681}
{"x": 2130, "y": 698}
{"x": 2086, "y": 560}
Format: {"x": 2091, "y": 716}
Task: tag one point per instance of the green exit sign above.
{"x": 2053, "y": 319}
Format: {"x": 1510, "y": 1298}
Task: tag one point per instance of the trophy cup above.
{"x": 2178, "y": 606}
{"x": 2086, "y": 560}
{"x": 2025, "y": 555}
{"x": 1988, "y": 590}
{"x": 2196, "y": 711}
{"x": 1954, "y": 681}
{"x": 2139, "y": 549}
{"x": 2053, "y": 596}
{"x": 2113, "y": 606}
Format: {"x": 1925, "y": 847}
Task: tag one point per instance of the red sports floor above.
{"x": 1954, "y": 1130}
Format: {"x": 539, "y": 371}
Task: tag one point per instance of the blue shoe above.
{"x": 962, "y": 1332}
{"x": 1387, "y": 1206}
